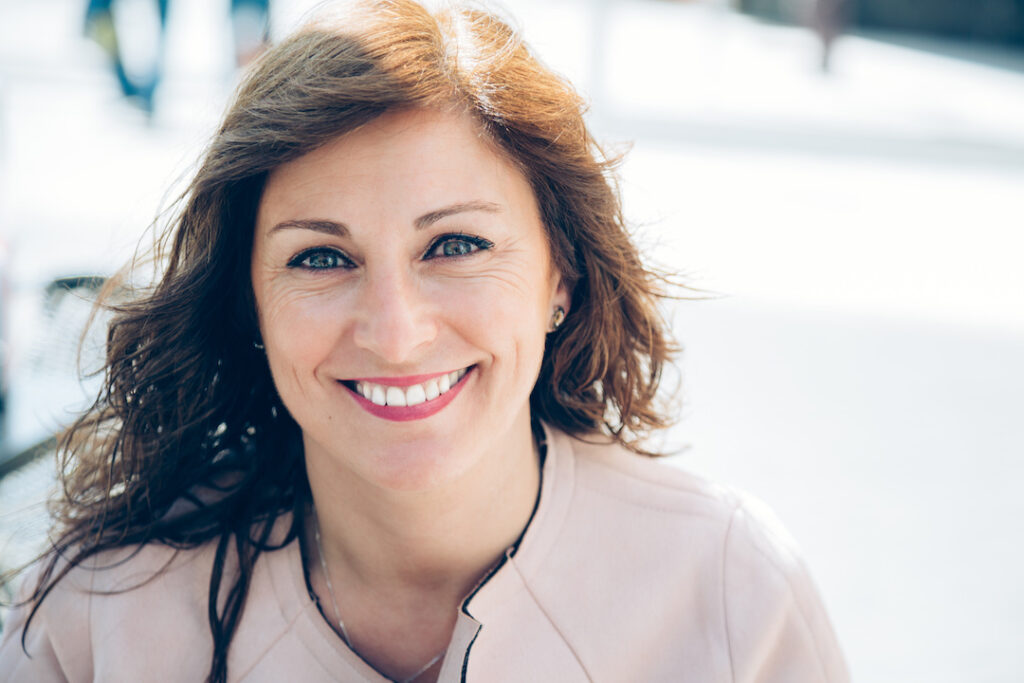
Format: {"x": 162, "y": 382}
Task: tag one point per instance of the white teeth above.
{"x": 432, "y": 391}
{"x": 415, "y": 395}
{"x": 412, "y": 395}
{"x": 395, "y": 396}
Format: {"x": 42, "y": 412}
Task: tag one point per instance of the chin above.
{"x": 419, "y": 465}
{"x": 413, "y": 464}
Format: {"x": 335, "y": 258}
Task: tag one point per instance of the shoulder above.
{"x": 666, "y": 509}
{"x": 611, "y": 476}
{"x": 118, "y": 610}
{"x": 608, "y": 474}
{"x": 737, "y": 526}
{"x": 700, "y": 559}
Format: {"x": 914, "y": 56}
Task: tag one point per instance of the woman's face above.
{"x": 404, "y": 289}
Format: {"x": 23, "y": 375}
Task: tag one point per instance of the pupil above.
{"x": 322, "y": 260}
{"x": 455, "y": 248}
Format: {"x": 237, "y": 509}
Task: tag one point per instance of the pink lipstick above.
{"x": 413, "y": 397}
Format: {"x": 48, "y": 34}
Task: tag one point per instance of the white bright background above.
{"x": 862, "y": 370}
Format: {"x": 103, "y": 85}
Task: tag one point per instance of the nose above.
{"x": 394, "y": 321}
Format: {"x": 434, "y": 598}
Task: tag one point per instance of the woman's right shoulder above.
{"x": 129, "y": 602}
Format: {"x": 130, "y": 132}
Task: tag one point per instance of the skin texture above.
{"x": 412, "y": 512}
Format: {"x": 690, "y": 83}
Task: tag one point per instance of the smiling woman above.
{"x": 382, "y": 417}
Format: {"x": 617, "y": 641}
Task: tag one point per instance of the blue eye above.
{"x": 320, "y": 258}
{"x": 448, "y": 246}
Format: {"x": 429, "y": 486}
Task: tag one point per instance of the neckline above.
{"x": 538, "y": 536}
{"x": 300, "y": 607}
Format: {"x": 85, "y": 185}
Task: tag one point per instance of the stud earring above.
{"x": 257, "y": 345}
{"x": 557, "y": 318}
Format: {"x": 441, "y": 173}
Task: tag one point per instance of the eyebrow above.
{"x": 340, "y": 229}
{"x": 315, "y": 224}
{"x": 463, "y": 207}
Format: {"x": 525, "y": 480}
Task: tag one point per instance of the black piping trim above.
{"x": 542, "y": 448}
{"x": 320, "y": 607}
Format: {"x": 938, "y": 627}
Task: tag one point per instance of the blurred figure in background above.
{"x": 829, "y": 18}
{"x": 131, "y": 32}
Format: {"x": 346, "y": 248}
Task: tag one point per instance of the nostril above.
{"x": 395, "y": 327}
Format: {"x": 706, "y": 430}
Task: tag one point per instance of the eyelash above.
{"x": 475, "y": 243}
{"x": 300, "y": 259}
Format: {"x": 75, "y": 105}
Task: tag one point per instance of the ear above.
{"x": 561, "y": 297}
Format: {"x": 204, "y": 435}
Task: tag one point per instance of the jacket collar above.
{"x": 502, "y": 626}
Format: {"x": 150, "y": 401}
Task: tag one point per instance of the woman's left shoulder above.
{"x": 627, "y": 480}
{"x": 658, "y": 494}
{"x": 651, "y": 497}
{"x": 702, "y": 548}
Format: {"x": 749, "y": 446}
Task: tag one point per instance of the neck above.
{"x": 438, "y": 541}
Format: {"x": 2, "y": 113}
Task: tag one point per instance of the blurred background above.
{"x": 844, "y": 178}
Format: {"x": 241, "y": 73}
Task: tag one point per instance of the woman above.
{"x": 381, "y": 418}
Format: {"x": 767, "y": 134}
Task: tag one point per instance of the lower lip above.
{"x": 408, "y": 413}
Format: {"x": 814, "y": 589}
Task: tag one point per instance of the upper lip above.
{"x": 406, "y": 381}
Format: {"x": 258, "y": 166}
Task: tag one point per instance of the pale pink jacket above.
{"x": 630, "y": 570}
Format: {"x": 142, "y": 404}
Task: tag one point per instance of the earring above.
{"x": 557, "y": 318}
{"x": 257, "y": 345}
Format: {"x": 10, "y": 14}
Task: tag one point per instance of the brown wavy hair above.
{"x": 188, "y": 402}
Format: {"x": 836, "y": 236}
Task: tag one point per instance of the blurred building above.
{"x": 999, "y": 21}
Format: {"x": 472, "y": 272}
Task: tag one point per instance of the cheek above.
{"x": 299, "y": 329}
{"x": 507, "y": 323}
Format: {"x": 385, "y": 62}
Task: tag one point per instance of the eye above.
{"x": 456, "y": 245}
{"x": 320, "y": 258}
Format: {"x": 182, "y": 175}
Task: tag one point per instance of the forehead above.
{"x": 414, "y": 160}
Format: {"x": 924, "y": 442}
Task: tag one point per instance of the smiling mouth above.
{"x": 407, "y": 396}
